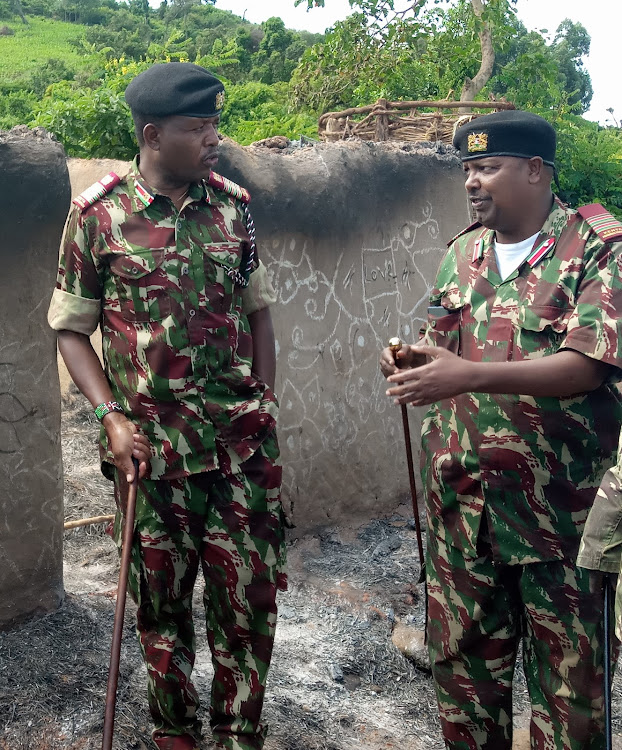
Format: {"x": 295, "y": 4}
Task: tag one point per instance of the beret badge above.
{"x": 477, "y": 142}
{"x": 220, "y": 99}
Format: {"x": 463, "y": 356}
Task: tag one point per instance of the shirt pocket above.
{"x": 226, "y": 258}
{"x": 540, "y": 330}
{"x": 444, "y": 320}
{"x": 142, "y": 286}
{"x": 223, "y": 273}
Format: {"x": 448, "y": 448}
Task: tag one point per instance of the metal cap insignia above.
{"x": 477, "y": 142}
{"x": 220, "y": 99}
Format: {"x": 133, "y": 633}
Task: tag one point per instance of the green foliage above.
{"x": 16, "y": 107}
{"x": 93, "y": 124}
{"x": 589, "y": 161}
{"x": 423, "y": 52}
{"x": 29, "y": 49}
{"x": 70, "y": 75}
{"x": 279, "y": 52}
{"x": 534, "y": 74}
{"x": 256, "y": 110}
{"x": 427, "y": 51}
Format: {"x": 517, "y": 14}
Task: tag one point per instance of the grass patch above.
{"x": 29, "y": 49}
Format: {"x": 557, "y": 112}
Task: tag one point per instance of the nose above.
{"x": 211, "y": 135}
{"x": 471, "y": 182}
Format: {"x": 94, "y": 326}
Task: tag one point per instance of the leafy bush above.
{"x": 589, "y": 160}
{"x": 255, "y": 110}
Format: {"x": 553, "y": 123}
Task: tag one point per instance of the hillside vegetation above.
{"x": 64, "y": 64}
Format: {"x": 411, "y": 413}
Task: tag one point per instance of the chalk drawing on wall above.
{"x": 345, "y": 311}
{"x": 12, "y": 411}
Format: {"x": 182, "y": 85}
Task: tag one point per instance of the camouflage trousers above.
{"x": 478, "y": 612}
{"x": 232, "y": 527}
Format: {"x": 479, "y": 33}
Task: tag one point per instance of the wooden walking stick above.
{"x": 119, "y": 613}
{"x": 607, "y": 662}
{"x": 395, "y": 345}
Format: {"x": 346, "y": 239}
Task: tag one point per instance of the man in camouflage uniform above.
{"x": 522, "y": 345}
{"x": 164, "y": 260}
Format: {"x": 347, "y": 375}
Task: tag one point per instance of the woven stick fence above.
{"x": 402, "y": 121}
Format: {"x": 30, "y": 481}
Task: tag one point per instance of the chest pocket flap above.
{"x": 136, "y": 265}
{"x": 540, "y": 317}
{"x": 540, "y": 330}
{"x": 142, "y": 286}
{"x": 225, "y": 254}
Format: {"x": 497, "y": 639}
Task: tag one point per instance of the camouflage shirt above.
{"x": 531, "y": 464}
{"x": 177, "y": 346}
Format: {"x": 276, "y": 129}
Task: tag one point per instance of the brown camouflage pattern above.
{"x": 478, "y": 613}
{"x": 230, "y": 527}
{"x": 533, "y": 464}
{"x": 176, "y": 339}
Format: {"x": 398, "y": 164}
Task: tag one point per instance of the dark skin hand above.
{"x": 264, "y": 357}
{"x": 405, "y": 358}
{"x": 560, "y": 375}
{"x": 87, "y": 373}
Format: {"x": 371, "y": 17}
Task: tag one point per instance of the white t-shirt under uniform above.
{"x": 509, "y": 257}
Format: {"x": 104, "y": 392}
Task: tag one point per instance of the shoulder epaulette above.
{"x": 222, "y": 183}
{"x": 96, "y": 191}
{"x": 606, "y": 226}
{"x": 472, "y": 226}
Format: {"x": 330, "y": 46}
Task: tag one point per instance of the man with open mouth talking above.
{"x": 518, "y": 362}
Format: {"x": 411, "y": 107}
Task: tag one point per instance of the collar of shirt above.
{"x": 544, "y": 244}
{"x": 142, "y": 195}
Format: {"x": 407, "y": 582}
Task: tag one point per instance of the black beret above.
{"x": 507, "y": 133}
{"x": 175, "y": 88}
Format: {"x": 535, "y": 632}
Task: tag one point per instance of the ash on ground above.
{"x": 337, "y": 681}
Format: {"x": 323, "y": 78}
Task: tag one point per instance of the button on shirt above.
{"x": 176, "y": 340}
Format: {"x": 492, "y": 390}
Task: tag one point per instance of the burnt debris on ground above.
{"x": 337, "y": 681}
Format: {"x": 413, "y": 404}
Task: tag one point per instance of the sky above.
{"x": 601, "y": 18}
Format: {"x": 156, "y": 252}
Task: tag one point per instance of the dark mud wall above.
{"x": 352, "y": 235}
{"x": 34, "y": 199}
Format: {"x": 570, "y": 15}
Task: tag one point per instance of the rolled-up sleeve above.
{"x": 259, "y": 293}
{"x": 595, "y": 325}
{"x": 76, "y": 300}
{"x": 601, "y": 544}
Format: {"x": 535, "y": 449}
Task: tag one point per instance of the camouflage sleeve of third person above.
{"x": 601, "y": 544}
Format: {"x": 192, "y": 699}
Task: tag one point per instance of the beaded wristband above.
{"x": 106, "y": 408}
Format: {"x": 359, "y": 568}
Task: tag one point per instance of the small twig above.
{"x": 87, "y": 521}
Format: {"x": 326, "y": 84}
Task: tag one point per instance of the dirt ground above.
{"x": 337, "y": 681}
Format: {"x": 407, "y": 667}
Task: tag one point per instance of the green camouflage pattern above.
{"x": 231, "y": 526}
{"x": 601, "y": 543}
{"x": 176, "y": 340}
{"x": 478, "y": 612}
{"x": 531, "y": 465}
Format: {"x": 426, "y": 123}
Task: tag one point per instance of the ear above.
{"x": 151, "y": 135}
{"x": 535, "y": 169}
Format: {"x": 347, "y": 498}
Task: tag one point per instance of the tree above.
{"x": 472, "y": 86}
{"x": 278, "y": 54}
{"x": 431, "y": 50}
{"x": 17, "y": 7}
{"x": 571, "y": 45}
{"x": 388, "y": 25}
